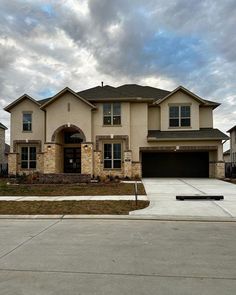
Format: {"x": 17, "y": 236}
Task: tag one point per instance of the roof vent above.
{"x": 102, "y": 83}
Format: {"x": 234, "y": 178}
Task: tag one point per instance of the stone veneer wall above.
{"x": 40, "y": 162}
{"x": 97, "y": 159}
{"x": 128, "y": 169}
{"x": 128, "y": 164}
{"x": 217, "y": 170}
{"x": 52, "y": 158}
{"x": 136, "y": 170}
{"x": 220, "y": 170}
{"x": 12, "y": 163}
{"x": 87, "y": 158}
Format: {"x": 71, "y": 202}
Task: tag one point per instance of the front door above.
{"x": 72, "y": 160}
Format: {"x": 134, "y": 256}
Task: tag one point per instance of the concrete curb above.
{"x": 74, "y": 198}
{"x": 121, "y": 217}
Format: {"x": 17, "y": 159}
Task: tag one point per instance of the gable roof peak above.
{"x": 22, "y": 97}
{"x": 190, "y": 93}
{"x": 57, "y": 95}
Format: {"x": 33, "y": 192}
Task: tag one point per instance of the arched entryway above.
{"x": 69, "y": 138}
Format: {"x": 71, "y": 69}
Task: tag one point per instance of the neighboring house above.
{"x": 227, "y": 157}
{"x": 4, "y": 148}
{"x": 232, "y": 132}
{"x": 126, "y": 131}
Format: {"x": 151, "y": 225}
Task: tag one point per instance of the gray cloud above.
{"x": 46, "y": 45}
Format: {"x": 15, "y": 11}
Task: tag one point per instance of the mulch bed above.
{"x": 70, "y": 207}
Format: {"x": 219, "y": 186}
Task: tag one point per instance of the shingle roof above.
{"x": 231, "y": 129}
{"x": 124, "y": 92}
{"x": 134, "y": 90}
{"x": 203, "y": 133}
{"x": 3, "y": 126}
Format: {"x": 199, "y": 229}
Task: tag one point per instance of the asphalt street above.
{"x": 117, "y": 257}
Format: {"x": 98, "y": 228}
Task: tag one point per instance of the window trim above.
{"x": 28, "y": 161}
{"x": 31, "y": 125}
{"x": 180, "y": 105}
{"x": 112, "y": 116}
{"x": 112, "y": 155}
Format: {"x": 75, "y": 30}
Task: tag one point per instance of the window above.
{"x": 112, "y": 155}
{"x": 179, "y": 116}
{"x": 112, "y": 113}
{"x": 27, "y": 122}
{"x": 28, "y": 157}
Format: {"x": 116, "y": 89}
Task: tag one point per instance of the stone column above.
{"x": 87, "y": 158}
{"x": 220, "y": 170}
{"x": 128, "y": 164}
{"x": 217, "y": 169}
{"x": 12, "y": 163}
{"x": 97, "y": 163}
{"x": 40, "y": 162}
{"x": 50, "y": 158}
{"x": 136, "y": 170}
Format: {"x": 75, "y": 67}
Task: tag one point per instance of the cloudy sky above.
{"x": 47, "y": 45}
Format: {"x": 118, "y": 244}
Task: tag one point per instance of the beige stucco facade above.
{"x": 68, "y": 112}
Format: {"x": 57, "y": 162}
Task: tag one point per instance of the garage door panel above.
{"x": 175, "y": 164}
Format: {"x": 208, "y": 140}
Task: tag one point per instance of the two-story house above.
{"x": 232, "y": 151}
{"x": 126, "y": 131}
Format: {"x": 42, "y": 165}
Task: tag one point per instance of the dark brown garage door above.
{"x": 177, "y": 164}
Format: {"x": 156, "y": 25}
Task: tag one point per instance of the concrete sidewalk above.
{"x": 162, "y": 193}
{"x": 73, "y": 198}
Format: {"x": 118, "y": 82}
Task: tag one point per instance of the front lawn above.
{"x": 70, "y": 207}
{"x": 91, "y": 189}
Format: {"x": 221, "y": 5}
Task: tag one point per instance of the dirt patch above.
{"x": 90, "y": 189}
{"x": 70, "y": 207}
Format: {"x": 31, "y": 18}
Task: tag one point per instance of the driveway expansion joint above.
{"x": 29, "y": 239}
{"x": 121, "y": 274}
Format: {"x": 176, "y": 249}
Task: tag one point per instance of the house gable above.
{"x": 61, "y": 94}
{"x": 179, "y": 98}
{"x": 19, "y": 100}
{"x": 184, "y": 90}
{"x": 67, "y": 110}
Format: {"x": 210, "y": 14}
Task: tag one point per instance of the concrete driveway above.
{"x": 162, "y": 193}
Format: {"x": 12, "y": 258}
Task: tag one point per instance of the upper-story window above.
{"x": 112, "y": 113}
{"x": 27, "y": 121}
{"x": 179, "y": 116}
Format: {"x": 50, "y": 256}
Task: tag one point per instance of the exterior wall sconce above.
{"x": 49, "y": 147}
{"x": 86, "y": 147}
